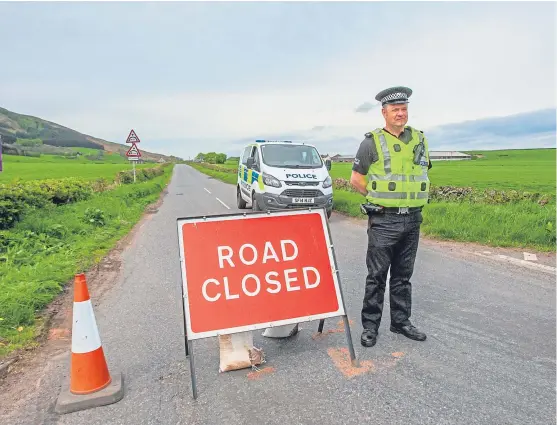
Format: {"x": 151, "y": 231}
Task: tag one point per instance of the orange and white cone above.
{"x": 89, "y": 371}
{"x": 90, "y": 384}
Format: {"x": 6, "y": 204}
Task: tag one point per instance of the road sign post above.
{"x": 133, "y": 153}
{"x": 257, "y": 270}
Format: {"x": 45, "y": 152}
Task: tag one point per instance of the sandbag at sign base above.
{"x": 284, "y": 331}
{"x": 237, "y": 352}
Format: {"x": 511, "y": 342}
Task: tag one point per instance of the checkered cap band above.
{"x": 395, "y": 96}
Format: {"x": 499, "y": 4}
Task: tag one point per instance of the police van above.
{"x": 280, "y": 175}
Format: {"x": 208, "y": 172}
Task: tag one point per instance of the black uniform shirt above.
{"x": 367, "y": 152}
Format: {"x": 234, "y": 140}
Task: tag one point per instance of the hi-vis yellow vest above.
{"x": 394, "y": 180}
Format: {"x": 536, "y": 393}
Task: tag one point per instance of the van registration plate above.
{"x": 303, "y": 200}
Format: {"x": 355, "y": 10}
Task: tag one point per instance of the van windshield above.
{"x": 291, "y": 156}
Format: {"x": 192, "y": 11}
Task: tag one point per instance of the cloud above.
{"x": 191, "y": 75}
{"x": 542, "y": 121}
{"x": 366, "y": 107}
{"x": 535, "y": 129}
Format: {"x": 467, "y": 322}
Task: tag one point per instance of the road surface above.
{"x": 489, "y": 357}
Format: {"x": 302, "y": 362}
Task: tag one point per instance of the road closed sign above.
{"x": 251, "y": 271}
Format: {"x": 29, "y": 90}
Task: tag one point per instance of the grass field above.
{"x": 528, "y": 170}
{"x": 523, "y": 224}
{"x": 54, "y": 167}
{"x": 44, "y": 250}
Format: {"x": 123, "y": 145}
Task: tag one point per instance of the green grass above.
{"x": 225, "y": 177}
{"x": 50, "y": 245}
{"x": 528, "y": 170}
{"x": 523, "y": 224}
{"x": 54, "y": 167}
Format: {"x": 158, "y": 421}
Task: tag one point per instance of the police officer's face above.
{"x": 396, "y": 115}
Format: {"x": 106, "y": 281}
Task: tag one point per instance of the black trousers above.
{"x": 392, "y": 242}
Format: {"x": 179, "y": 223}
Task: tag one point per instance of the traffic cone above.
{"x": 91, "y": 384}
{"x": 89, "y": 371}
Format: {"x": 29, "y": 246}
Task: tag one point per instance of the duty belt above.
{"x": 401, "y": 210}
{"x": 377, "y": 209}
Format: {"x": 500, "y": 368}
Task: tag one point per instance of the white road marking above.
{"x": 223, "y": 203}
{"x": 518, "y": 261}
{"x": 530, "y": 257}
{"x": 206, "y": 190}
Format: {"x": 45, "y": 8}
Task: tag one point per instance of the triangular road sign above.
{"x": 133, "y": 151}
{"x": 132, "y": 137}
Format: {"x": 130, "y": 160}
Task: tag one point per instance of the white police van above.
{"x": 280, "y": 175}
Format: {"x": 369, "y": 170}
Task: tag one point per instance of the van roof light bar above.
{"x": 273, "y": 141}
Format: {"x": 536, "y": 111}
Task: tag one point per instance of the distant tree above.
{"x": 6, "y": 138}
{"x": 211, "y": 157}
{"x": 29, "y": 142}
{"x": 220, "y": 158}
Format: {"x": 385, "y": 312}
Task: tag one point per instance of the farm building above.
{"x": 342, "y": 158}
{"x": 434, "y": 155}
{"x": 448, "y": 156}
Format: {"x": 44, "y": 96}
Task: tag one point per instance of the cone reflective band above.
{"x": 89, "y": 371}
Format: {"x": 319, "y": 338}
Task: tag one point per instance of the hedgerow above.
{"x": 469, "y": 194}
{"x": 19, "y": 197}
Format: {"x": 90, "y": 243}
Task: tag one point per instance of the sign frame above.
{"x": 133, "y": 134}
{"x": 133, "y": 146}
{"x": 341, "y": 312}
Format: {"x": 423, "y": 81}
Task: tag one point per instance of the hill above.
{"x": 49, "y": 137}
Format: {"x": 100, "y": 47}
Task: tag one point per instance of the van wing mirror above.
{"x": 328, "y": 164}
{"x": 250, "y": 162}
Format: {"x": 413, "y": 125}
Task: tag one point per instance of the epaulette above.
{"x": 368, "y": 135}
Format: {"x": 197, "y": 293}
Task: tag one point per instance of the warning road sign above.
{"x": 132, "y": 138}
{"x": 133, "y": 152}
{"x": 257, "y": 270}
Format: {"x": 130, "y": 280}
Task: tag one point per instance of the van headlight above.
{"x": 271, "y": 180}
{"x": 328, "y": 182}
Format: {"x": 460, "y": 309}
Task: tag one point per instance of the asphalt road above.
{"x": 489, "y": 357}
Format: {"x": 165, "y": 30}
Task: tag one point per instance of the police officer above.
{"x": 391, "y": 171}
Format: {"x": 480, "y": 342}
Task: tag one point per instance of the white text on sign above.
{"x": 252, "y": 284}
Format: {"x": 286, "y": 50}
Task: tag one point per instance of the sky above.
{"x": 207, "y": 76}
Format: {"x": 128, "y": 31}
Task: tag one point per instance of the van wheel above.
{"x": 254, "y": 205}
{"x": 329, "y": 213}
{"x": 239, "y": 200}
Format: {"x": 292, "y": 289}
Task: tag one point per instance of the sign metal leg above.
{"x": 192, "y": 371}
{"x": 351, "y": 350}
{"x": 185, "y": 329}
{"x": 320, "y": 328}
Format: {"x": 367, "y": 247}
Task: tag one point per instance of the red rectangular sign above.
{"x": 246, "y": 272}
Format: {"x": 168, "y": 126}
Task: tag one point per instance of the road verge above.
{"x": 44, "y": 250}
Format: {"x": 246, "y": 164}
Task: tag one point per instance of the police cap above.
{"x": 398, "y": 94}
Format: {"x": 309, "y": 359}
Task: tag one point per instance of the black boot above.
{"x": 409, "y": 331}
{"x": 369, "y": 338}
